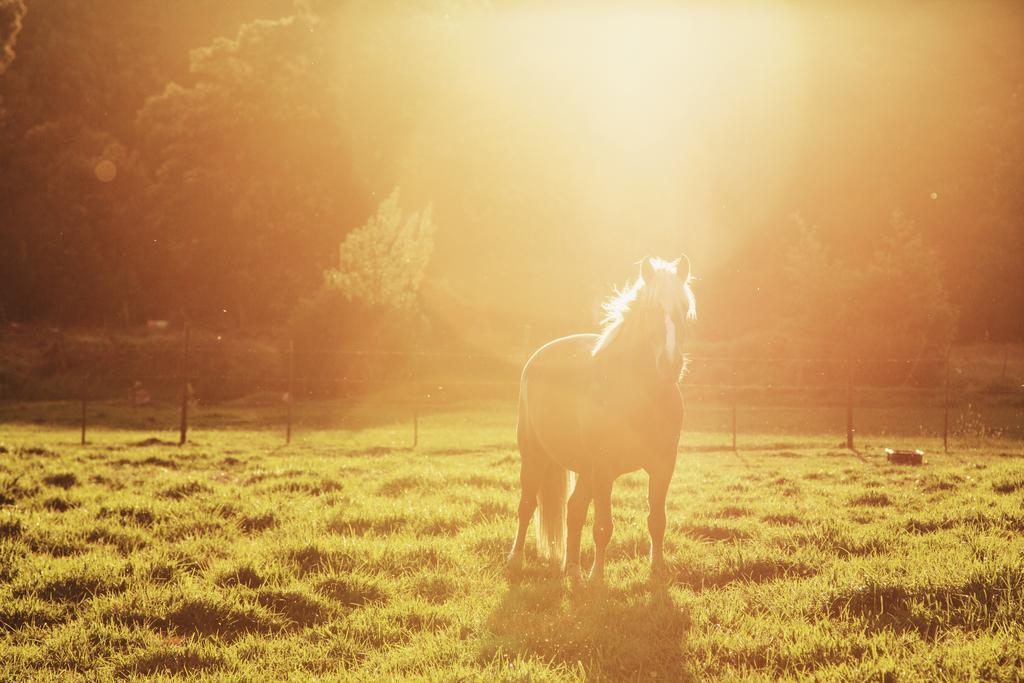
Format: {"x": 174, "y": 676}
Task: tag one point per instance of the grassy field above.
{"x": 346, "y": 555}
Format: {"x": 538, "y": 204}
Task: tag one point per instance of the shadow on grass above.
{"x": 603, "y": 632}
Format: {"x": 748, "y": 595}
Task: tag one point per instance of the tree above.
{"x": 370, "y": 301}
{"x": 895, "y": 306}
{"x": 900, "y": 307}
{"x": 11, "y": 13}
{"x": 250, "y": 172}
{"x": 382, "y": 264}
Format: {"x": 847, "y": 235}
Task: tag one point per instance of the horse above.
{"x": 595, "y": 406}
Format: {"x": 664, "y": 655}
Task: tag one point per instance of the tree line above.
{"x": 207, "y": 162}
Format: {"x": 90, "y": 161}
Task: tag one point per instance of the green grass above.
{"x": 349, "y": 555}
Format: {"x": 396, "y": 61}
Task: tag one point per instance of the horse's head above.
{"x": 664, "y": 302}
{"x": 647, "y": 317}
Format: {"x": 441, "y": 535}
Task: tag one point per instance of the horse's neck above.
{"x": 626, "y": 358}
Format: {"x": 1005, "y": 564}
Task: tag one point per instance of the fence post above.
{"x": 416, "y": 396}
{"x": 291, "y": 389}
{"x": 945, "y": 410}
{"x": 849, "y": 403}
{"x": 184, "y": 390}
{"x": 734, "y": 405}
{"x": 85, "y": 385}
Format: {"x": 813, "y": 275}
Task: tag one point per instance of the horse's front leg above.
{"x": 576, "y": 516}
{"x": 602, "y": 489}
{"x": 657, "y": 491}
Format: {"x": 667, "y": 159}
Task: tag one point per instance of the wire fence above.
{"x": 850, "y": 397}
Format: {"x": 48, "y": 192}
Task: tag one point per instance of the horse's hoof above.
{"x": 659, "y": 571}
{"x": 574, "y": 574}
{"x": 514, "y": 562}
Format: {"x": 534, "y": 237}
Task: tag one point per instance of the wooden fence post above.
{"x": 734, "y": 405}
{"x": 291, "y": 389}
{"x": 184, "y": 390}
{"x": 416, "y": 397}
{"x": 849, "y": 404}
{"x": 945, "y": 410}
{"x": 85, "y": 384}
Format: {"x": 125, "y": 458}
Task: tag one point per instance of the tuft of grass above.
{"x": 244, "y": 575}
{"x": 185, "y": 659}
{"x": 256, "y": 522}
{"x": 300, "y": 607}
{"x": 352, "y": 590}
{"x": 1009, "y": 484}
{"x": 11, "y": 527}
{"x": 221, "y": 615}
{"x": 59, "y": 504}
{"x": 64, "y": 480}
{"x": 872, "y": 499}
{"x": 129, "y": 514}
{"x": 184, "y": 490}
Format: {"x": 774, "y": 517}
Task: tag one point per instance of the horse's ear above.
{"x": 647, "y": 269}
{"x": 683, "y": 268}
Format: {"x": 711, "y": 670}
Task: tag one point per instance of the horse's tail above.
{"x": 552, "y": 498}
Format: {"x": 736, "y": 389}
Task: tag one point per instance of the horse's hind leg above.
{"x": 530, "y": 475}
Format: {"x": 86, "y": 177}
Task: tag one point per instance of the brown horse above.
{"x": 600, "y": 406}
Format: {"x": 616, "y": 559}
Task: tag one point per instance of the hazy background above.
{"x": 823, "y": 165}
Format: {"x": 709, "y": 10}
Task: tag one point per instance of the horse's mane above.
{"x": 617, "y": 307}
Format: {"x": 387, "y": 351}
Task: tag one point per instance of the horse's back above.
{"x": 576, "y": 416}
{"x": 552, "y": 395}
